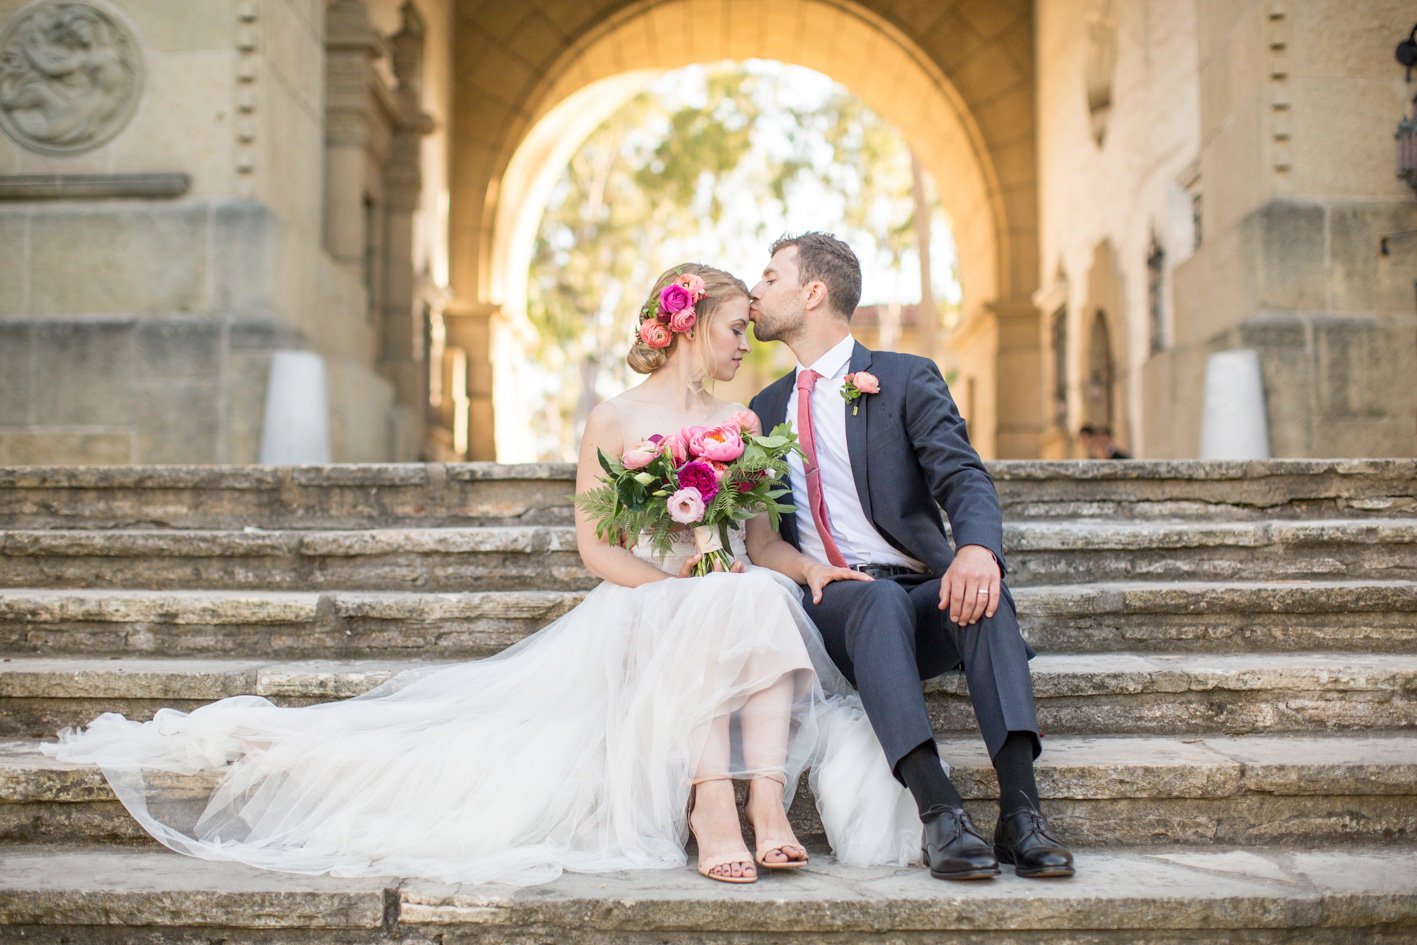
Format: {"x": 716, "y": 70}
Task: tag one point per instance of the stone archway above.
{"x": 956, "y": 78}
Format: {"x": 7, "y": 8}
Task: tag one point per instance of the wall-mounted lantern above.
{"x": 1406, "y": 136}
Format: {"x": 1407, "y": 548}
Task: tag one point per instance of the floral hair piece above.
{"x": 672, "y": 312}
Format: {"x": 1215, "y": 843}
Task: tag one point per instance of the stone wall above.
{"x": 141, "y": 302}
{"x": 1296, "y": 175}
{"x": 1118, "y": 127}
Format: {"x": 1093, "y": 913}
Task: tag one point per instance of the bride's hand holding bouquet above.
{"x": 701, "y": 481}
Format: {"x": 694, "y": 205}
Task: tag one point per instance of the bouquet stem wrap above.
{"x": 709, "y": 542}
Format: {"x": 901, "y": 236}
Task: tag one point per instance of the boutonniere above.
{"x": 862, "y": 382}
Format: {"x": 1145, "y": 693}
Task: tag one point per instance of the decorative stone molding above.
{"x": 71, "y": 75}
{"x": 247, "y": 69}
{"x": 1101, "y": 70}
{"x": 91, "y": 186}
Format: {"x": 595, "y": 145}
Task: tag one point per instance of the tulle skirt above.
{"x": 572, "y": 750}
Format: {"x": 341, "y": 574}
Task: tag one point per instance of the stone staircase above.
{"x": 1227, "y": 687}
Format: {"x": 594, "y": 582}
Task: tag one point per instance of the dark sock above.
{"x": 932, "y": 789}
{"x": 1014, "y": 766}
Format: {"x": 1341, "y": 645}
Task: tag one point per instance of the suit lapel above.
{"x": 775, "y": 397}
{"x": 856, "y": 428}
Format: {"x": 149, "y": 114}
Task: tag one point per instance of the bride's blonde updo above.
{"x": 719, "y": 286}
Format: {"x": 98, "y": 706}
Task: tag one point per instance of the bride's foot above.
{"x": 778, "y": 848}
{"x": 713, "y": 820}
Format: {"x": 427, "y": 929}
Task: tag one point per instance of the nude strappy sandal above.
{"x": 706, "y": 867}
{"x": 766, "y": 845}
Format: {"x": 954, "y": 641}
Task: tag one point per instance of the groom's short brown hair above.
{"x": 821, "y": 256}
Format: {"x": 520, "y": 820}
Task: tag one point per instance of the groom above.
{"x": 876, "y": 466}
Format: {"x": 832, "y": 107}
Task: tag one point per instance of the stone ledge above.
{"x": 92, "y": 186}
{"x": 1248, "y": 892}
{"x": 1082, "y": 694}
{"x": 1072, "y": 767}
{"x": 1285, "y": 616}
{"x": 110, "y": 887}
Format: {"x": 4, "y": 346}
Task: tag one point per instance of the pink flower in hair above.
{"x": 683, "y": 320}
{"x": 655, "y": 334}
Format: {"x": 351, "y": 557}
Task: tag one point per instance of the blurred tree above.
{"x": 661, "y": 181}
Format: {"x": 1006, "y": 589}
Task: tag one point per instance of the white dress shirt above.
{"x": 854, "y": 534}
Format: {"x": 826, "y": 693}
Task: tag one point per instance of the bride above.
{"x": 591, "y": 745}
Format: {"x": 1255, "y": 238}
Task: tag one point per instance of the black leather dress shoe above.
{"x": 1022, "y": 838}
{"x": 954, "y": 849}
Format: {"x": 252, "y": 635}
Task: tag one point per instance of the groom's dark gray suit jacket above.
{"x": 909, "y": 451}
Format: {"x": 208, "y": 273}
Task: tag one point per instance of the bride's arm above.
{"x": 767, "y": 549}
{"x": 605, "y": 561}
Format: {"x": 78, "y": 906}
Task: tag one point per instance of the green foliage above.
{"x": 716, "y": 171}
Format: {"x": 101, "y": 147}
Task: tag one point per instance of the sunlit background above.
{"x": 711, "y": 164}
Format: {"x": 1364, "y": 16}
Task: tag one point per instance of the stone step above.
{"x": 346, "y": 495}
{"x": 1261, "y": 896}
{"x": 545, "y": 558}
{"x": 1361, "y": 616}
{"x": 433, "y": 494}
{"x": 1119, "y": 791}
{"x": 1081, "y": 694}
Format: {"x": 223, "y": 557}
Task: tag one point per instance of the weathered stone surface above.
{"x": 545, "y": 557}
{"x": 1112, "y": 791}
{"x": 431, "y": 494}
{"x": 488, "y": 558}
{"x": 1077, "y": 693}
{"x": 118, "y": 888}
{"x": 1261, "y": 896}
{"x": 1360, "y": 616}
{"x": 338, "y": 496}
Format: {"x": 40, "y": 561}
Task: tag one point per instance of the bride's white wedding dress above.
{"x": 572, "y": 750}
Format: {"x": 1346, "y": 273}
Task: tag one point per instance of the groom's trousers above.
{"x": 888, "y": 635}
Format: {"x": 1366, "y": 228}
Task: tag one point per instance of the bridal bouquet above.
{"x": 701, "y": 480}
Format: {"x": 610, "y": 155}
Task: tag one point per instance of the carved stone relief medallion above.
{"x": 70, "y": 76}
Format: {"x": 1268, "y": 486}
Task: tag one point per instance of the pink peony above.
{"x": 675, "y": 298}
{"x": 655, "y": 334}
{"x": 686, "y": 506}
{"x": 683, "y": 321}
{"x": 686, "y": 440}
{"x": 747, "y": 422}
{"x": 719, "y": 470}
{"x": 640, "y": 455}
{"x": 722, "y": 444}
{"x": 866, "y": 382}
{"x": 699, "y": 476}
{"x": 669, "y": 446}
{"x": 693, "y": 283}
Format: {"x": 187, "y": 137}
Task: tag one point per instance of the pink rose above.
{"x": 700, "y": 477}
{"x": 722, "y": 444}
{"x": 655, "y": 334}
{"x": 686, "y": 506}
{"x": 693, "y": 283}
{"x": 675, "y": 298}
{"x": 640, "y": 455}
{"x": 719, "y": 470}
{"x": 747, "y": 422}
{"x": 683, "y": 321}
{"x": 866, "y": 382}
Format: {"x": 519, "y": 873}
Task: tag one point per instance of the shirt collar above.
{"x": 834, "y": 361}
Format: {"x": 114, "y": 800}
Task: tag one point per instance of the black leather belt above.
{"x": 883, "y": 570}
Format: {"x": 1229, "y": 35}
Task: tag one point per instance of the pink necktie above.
{"x": 807, "y": 380}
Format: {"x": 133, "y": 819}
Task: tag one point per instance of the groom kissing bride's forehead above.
{"x": 868, "y": 489}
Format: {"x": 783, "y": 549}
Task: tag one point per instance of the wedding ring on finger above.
{"x": 984, "y": 592}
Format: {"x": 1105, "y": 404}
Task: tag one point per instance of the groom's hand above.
{"x": 820, "y": 575}
{"x": 970, "y": 588}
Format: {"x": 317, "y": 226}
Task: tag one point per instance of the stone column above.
{"x": 469, "y": 327}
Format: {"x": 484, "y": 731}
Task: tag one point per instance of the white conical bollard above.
{"x": 296, "y": 428}
{"x": 1233, "y": 424}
